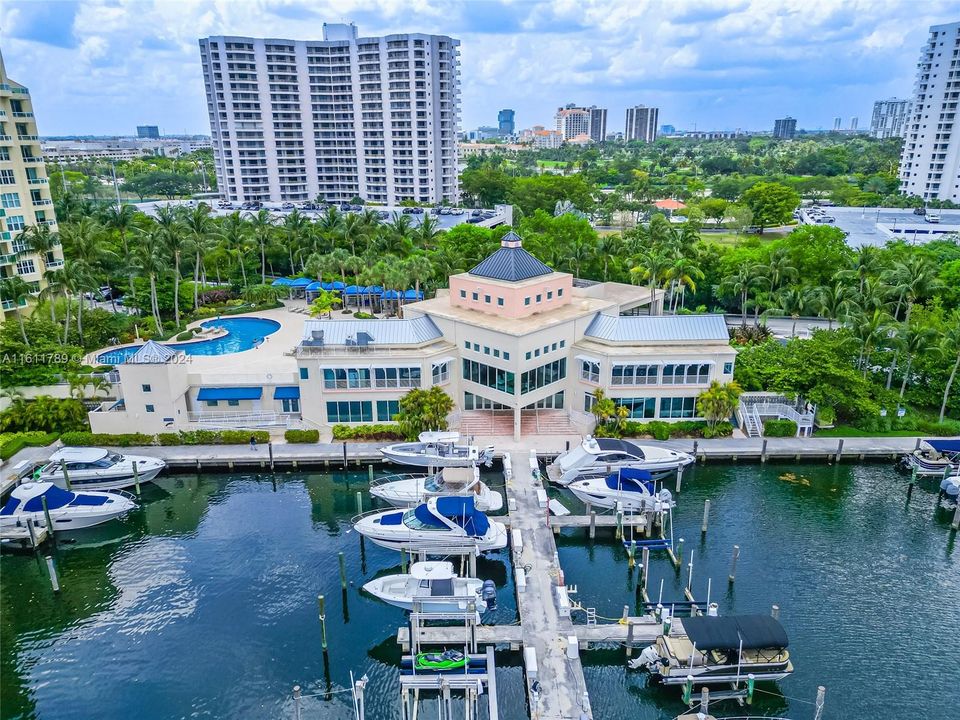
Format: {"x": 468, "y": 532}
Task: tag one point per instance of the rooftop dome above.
{"x": 511, "y": 262}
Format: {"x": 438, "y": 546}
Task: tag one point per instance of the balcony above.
{"x": 29, "y": 138}
{"x": 33, "y": 159}
{"x": 37, "y": 181}
{"x": 23, "y": 114}
{"x": 8, "y": 259}
{"x": 53, "y": 264}
{"x": 42, "y": 202}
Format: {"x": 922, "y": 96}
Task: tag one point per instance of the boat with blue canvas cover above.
{"x": 937, "y": 456}
{"x": 629, "y": 489}
{"x": 68, "y": 510}
{"x": 441, "y": 524}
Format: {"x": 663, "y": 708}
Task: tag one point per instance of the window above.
{"x": 496, "y": 353}
{"x": 441, "y": 373}
{"x": 526, "y": 300}
{"x": 549, "y": 294}
{"x": 539, "y": 298}
{"x": 15, "y": 223}
{"x": 506, "y": 355}
{"x": 677, "y": 407}
{"x": 546, "y": 349}
{"x": 386, "y": 409}
{"x": 489, "y": 376}
{"x": 544, "y": 375}
{"x": 463, "y": 294}
{"x": 397, "y": 377}
{"x": 212, "y": 403}
{"x": 6, "y": 177}
{"x": 500, "y": 301}
{"x": 728, "y": 368}
{"x": 559, "y": 292}
{"x": 527, "y": 355}
{"x": 486, "y": 350}
{"x": 145, "y": 388}
{"x": 588, "y": 402}
{"x": 476, "y": 347}
{"x": 290, "y": 405}
{"x": 476, "y": 402}
{"x": 304, "y": 374}
{"x": 10, "y": 200}
{"x": 486, "y": 299}
{"x": 554, "y": 402}
{"x": 352, "y": 411}
{"x": 149, "y": 408}
{"x": 343, "y": 378}
{"x": 553, "y": 347}
{"x": 5, "y": 153}
{"x": 25, "y": 267}
{"x": 634, "y": 375}
{"x": 536, "y": 353}
{"x": 692, "y": 374}
{"x": 590, "y": 371}
{"x": 466, "y": 344}
{"x": 476, "y": 296}
{"x": 233, "y": 403}
{"x": 563, "y": 343}
{"x": 640, "y": 408}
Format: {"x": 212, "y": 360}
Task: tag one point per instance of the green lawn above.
{"x": 731, "y": 238}
{"x": 841, "y": 431}
{"x": 553, "y": 163}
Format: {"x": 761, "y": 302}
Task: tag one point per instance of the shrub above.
{"x": 367, "y": 432}
{"x": 721, "y": 429}
{"x": 216, "y": 297}
{"x": 240, "y": 437}
{"x": 302, "y": 436}
{"x": 85, "y": 439}
{"x": 10, "y": 445}
{"x": 186, "y": 335}
{"x": 660, "y": 430}
{"x": 168, "y": 438}
{"x": 360, "y": 315}
{"x": 780, "y": 428}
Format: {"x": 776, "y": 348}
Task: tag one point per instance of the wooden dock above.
{"x": 20, "y": 536}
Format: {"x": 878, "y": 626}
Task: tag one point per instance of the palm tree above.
{"x": 917, "y": 339}
{"x": 201, "y": 229}
{"x": 779, "y": 269}
{"x": 740, "y": 284}
{"x": 16, "y": 290}
{"x": 608, "y": 246}
{"x": 121, "y": 219}
{"x": 950, "y": 348}
{"x": 40, "y": 240}
{"x": 173, "y": 231}
{"x": 235, "y": 231}
{"x": 913, "y": 278}
{"x": 419, "y": 267}
{"x": 296, "y": 227}
{"x": 152, "y": 260}
{"x": 262, "y": 227}
{"x": 329, "y": 224}
{"x": 792, "y": 301}
{"x": 75, "y": 278}
{"x": 832, "y": 301}
{"x": 51, "y": 290}
{"x": 683, "y": 274}
{"x": 427, "y": 232}
{"x": 396, "y": 237}
{"x": 869, "y": 329}
{"x": 864, "y": 265}
{"x": 650, "y": 265}
{"x": 83, "y": 243}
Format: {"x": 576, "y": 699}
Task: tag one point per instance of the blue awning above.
{"x": 314, "y": 286}
{"x": 286, "y": 392}
{"x": 390, "y": 295}
{"x": 281, "y": 282}
{"x": 412, "y": 294}
{"x": 945, "y": 446}
{"x": 337, "y": 285}
{"x": 230, "y": 393}
{"x": 300, "y": 282}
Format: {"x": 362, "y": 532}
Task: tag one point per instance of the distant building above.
{"x": 889, "y": 118}
{"x": 785, "y": 128}
{"x": 854, "y": 121}
{"x": 668, "y": 130}
{"x": 837, "y": 124}
{"x": 151, "y": 132}
{"x": 641, "y": 124}
{"x": 930, "y": 164}
{"x": 573, "y": 121}
{"x": 543, "y": 139}
{"x": 484, "y": 132}
{"x": 505, "y": 122}
{"x": 712, "y": 134}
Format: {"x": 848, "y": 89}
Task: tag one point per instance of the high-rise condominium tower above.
{"x": 28, "y": 241}
{"x": 930, "y": 164}
{"x": 889, "y": 118}
{"x": 336, "y": 118}
{"x": 641, "y": 124}
{"x": 573, "y": 121}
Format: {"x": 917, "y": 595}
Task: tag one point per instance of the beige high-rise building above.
{"x": 25, "y": 201}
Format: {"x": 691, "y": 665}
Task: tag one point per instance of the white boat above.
{"x": 68, "y": 510}
{"x": 714, "y": 649}
{"x": 598, "y": 457}
{"x": 437, "y": 449}
{"x": 433, "y": 585}
{"x": 628, "y": 489}
{"x": 936, "y": 457}
{"x": 409, "y": 490}
{"x": 441, "y": 525}
{"x": 91, "y": 468}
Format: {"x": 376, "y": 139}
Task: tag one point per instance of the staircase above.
{"x": 752, "y": 425}
{"x": 486, "y": 423}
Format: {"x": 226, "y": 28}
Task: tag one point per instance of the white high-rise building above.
{"x": 930, "y": 164}
{"x": 573, "y": 121}
{"x": 641, "y": 124}
{"x": 889, "y": 118}
{"x": 336, "y": 118}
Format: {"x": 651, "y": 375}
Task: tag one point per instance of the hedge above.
{"x": 13, "y": 443}
{"x": 83, "y": 439}
{"x": 367, "y": 432}
{"x": 660, "y": 430}
{"x": 191, "y": 437}
{"x": 780, "y": 428}
{"x": 302, "y": 436}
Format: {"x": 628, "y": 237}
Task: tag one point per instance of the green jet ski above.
{"x": 448, "y": 660}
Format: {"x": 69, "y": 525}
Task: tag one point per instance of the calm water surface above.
{"x": 203, "y": 604}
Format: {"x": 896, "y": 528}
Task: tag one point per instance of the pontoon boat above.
{"x": 437, "y": 449}
{"x": 629, "y": 489}
{"x": 434, "y": 585}
{"x": 933, "y": 457}
{"x": 68, "y": 510}
{"x": 598, "y": 457}
{"x": 715, "y": 649}
{"x": 92, "y": 468}
{"x": 409, "y": 490}
{"x": 440, "y": 525}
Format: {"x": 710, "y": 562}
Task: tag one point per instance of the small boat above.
{"x": 91, "y": 468}
{"x": 435, "y": 586}
{"x": 713, "y": 649}
{"x": 950, "y": 487}
{"x": 935, "y": 457}
{"x": 68, "y": 510}
{"x": 409, "y": 490}
{"x": 441, "y": 524}
{"x": 598, "y": 457}
{"x": 437, "y": 449}
{"x": 629, "y": 489}
{"x": 447, "y": 660}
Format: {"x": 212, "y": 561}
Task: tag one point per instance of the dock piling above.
{"x": 763, "y": 451}
{"x": 629, "y": 638}
{"x": 360, "y": 501}
{"x": 136, "y": 478}
{"x": 593, "y": 524}
{"x": 955, "y": 525}
{"x": 370, "y": 473}
{"x": 751, "y": 680}
{"x": 343, "y": 570}
{"x": 645, "y": 559}
{"x": 679, "y": 552}
{"x": 403, "y": 561}
{"x": 32, "y": 533}
{"x": 821, "y": 697}
{"x": 706, "y": 515}
{"x": 913, "y": 479}
{"x": 321, "y": 603}
{"x": 688, "y": 690}
{"x": 46, "y": 515}
{"x": 296, "y": 701}
{"x": 344, "y": 454}
{"x": 775, "y": 612}
{"x": 632, "y": 553}
{"x": 679, "y": 478}
{"x": 733, "y": 564}
{"x": 704, "y": 701}
{"x": 696, "y": 444}
{"x": 839, "y": 450}
{"x": 66, "y": 476}
{"x": 54, "y": 582}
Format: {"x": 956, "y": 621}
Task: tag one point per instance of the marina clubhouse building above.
{"x": 520, "y": 348}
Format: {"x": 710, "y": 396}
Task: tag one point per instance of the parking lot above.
{"x": 876, "y": 226}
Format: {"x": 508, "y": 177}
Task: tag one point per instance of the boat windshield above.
{"x": 422, "y": 519}
{"x": 434, "y": 484}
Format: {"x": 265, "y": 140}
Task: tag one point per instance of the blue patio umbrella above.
{"x": 412, "y": 294}
{"x": 301, "y": 282}
{"x": 315, "y": 286}
{"x": 281, "y": 282}
{"x": 337, "y": 285}
{"x": 353, "y": 290}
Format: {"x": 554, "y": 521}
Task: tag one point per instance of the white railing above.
{"x": 242, "y": 420}
{"x": 753, "y": 408}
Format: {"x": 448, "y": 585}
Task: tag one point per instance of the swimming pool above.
{"x": 242, "y": 334}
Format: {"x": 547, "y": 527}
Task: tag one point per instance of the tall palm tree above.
{"x": 201, "y": 231}
{"x": 235, "y": 232}
{"x": 950, "y": 348}
{"x": 740, "y": 284}
{"x": 75, "y": 278}
{"x": 152, "y": 260}
{"x": 397, "y": 235}
{"x": 171, "y": 228}
{"x": 650, "y": 265}
{"x": 262, "y": 227}
{"x": 328, "y": 225}
{"x": 121, "y": 219}
{"x": 870, "y": 328}
{"x": 40, "y": 239}
{"x": 16, "y": 290}
{"x": 427, "y": 232}
{"x": 419, "y": 267}
{"x": 53, "y": 288}
{"x": 83, "y": 243}
{"x": 608, "y": 246}
{"x": 779, "y": 269}
{"x": 792, "y": 301}
{"x": 832, "y": 302}
{"x": 917, "y": 339}
{"x": 683, "y": 274}
{"x": 863, "y": 266}
{"x": 295, "y": 230}
{"x": 912, "y": 279}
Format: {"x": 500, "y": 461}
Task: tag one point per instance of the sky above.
{"x": 101, "y": 67}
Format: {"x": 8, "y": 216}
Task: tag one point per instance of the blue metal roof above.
{"x": 151, "y": 353}
{"x": 511, "y": 262}
{"x": 657, "y": 328}
{"x": 286, "y": 392}
{"x": 415, "y": 331}
{"x": 230, "y": 393}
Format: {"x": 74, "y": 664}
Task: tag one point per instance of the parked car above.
{"x": 106, "y": 292}
{"x": 476, "y": 213}
{"x": 456, "y": 211}
{"x": 287, "y": 206}
{"x": 474, "y": 219}
{"x": 920, "y": 211}
{"x": 932, "y": 217}
{"x": 826, "y": 219}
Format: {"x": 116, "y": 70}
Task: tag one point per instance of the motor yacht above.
{"x": 434, "y": 587}
{"x": 437, "y": 449}
{"x": 68, "y": 510}
{"x": 441, "y": 524}
{"x": 598, "y": 457}
{"x": 714, "y": 649}
{"x": 409, "y": 490}
{"x": 91, "y": 468}
{"x": 628, "y": 489}
{"x": 935, "y": 457}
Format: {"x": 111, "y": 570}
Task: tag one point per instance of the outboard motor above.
{"x": 487, "y": 455}
{"x": 488, "y": 593}
{"x": 648, "y": 657}
{"x": 665, "y": 497}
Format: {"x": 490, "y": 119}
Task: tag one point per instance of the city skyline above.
{"x": 139, "y": 60}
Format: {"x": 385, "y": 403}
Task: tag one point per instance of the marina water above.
{"x": 204, "y": 602}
